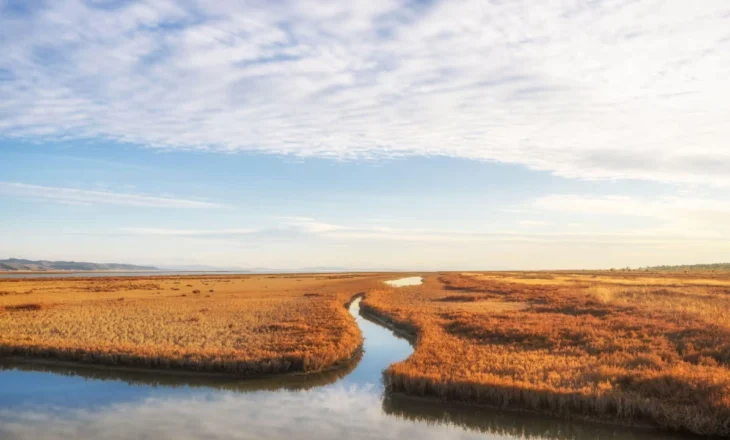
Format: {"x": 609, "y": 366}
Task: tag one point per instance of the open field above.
{"x": 243, "y": 325}
{"x": 635, "y": 348}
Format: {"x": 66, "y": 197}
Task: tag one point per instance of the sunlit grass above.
{"x": 240, "y": 325}
{"x": 643, "y": 353}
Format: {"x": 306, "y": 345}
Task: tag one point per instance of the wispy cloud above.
{"x": 669, "y": 216}
{"x": 581, "y": 89}
{"x": 93, "y": 197}
{"x": 298, "y": 228}
{"x": 670, "y": 206}
{"x": 188, "y": 232}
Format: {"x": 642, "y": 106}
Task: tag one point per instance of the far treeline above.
{"x": 715, "y": 267}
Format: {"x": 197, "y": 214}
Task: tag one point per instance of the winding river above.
{"x": 38, "y": 402}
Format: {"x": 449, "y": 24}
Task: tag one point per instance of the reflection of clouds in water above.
{"x": 331, "y": 413}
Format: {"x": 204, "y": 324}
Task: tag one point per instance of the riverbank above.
{"x": 566, "y": 348}
{"x": 243, "y": 326}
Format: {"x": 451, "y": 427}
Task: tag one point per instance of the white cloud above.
{"x": 310, "y": 225}
{"x": 629, "y": 205}
{"x": 600, "y": 205}
{"x": 533, "y": 223}
{"x": 93, "y": 197}
{"x": 671, "y": 216}
{"x": 298, "y": 229}
{"x": 569, "y": 243}
{"x": 188, "y": 232}
{"x": 582, "y": 89}
{"x": 334, "y": 412}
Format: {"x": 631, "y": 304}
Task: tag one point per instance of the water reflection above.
{"x": 332, "y": 412}
{"x": 509, "y": 424}
{"x": 33, "y": 384}
{"x": 126, "y": 376}
{"x": 38, "y": 402}
{"x": 402, "y": 282}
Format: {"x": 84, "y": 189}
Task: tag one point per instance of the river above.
{"x": 38, "y": 402}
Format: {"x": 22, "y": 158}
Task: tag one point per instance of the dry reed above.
{"x": 245, "y": 328}
{"x": 635, "y": 353}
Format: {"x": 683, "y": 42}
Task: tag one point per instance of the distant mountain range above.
{"x": 18, "y": 264}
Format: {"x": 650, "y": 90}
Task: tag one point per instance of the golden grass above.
{"x": 242, "y": 325}
{"x": 634, "y": 278}
{"x": 644, "y": 354}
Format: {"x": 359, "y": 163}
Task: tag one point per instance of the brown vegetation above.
{"x": 635, "y": 348}
{"x": 252, "y": 325}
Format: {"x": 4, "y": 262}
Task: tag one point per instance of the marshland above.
{"x": 581, "y": 355}
{"x": 238, "y": 325}
{"x": 634, "y": 348}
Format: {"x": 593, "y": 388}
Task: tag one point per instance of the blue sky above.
{"x": 380, "y": 134}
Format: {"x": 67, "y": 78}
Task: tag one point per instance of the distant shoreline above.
{"x": 172, "y": 272}
{"x": 52, "y": 272}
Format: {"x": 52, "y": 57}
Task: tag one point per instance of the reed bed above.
{"x": 245, "y": 326}
{"x": 635, "y": 354}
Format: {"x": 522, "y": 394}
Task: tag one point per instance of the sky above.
{"x": 379, "y": 134}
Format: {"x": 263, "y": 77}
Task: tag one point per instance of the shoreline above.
{"x": 206, "y": 370}
{"x": 166, "y": 272}
{"x": 173, "y": 372}
{"x": 60, "y": 272}
{"x": 405, "y": 331}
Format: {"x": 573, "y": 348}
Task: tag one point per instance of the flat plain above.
{"x": 631, "y": 347}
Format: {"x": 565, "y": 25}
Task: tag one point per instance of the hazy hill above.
{"x": 18, "y": 264}
{"x": 693, "y": 267}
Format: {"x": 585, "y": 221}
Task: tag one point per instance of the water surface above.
{"x": 403, "y": 282}
{"x": 42, "y": 402}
